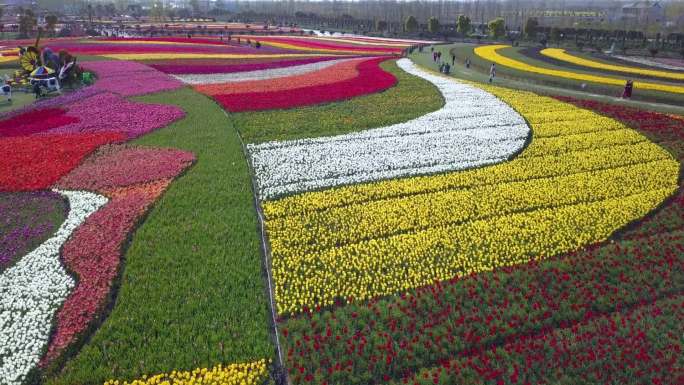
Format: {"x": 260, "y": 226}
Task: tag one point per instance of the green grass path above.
{"x": 192, "y": 292}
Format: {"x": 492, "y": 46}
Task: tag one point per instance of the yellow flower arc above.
{"x": 561, "y": 54}
{"x": 489, "y": 52}
{"x": 582, "y": 177}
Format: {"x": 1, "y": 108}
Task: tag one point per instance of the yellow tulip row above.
{"x": 252, "y": 373}
{"x": 321, "y": 230}
{"x": 560, "y": 54}
{"x": 489, "y": 53}
{"x": 571, "y": 186}
{"x": 391, "y": 265}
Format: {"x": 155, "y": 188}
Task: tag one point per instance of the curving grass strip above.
{"x": 191, "y": 294}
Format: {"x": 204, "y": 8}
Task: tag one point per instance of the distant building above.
{"x": 643, "y": 12}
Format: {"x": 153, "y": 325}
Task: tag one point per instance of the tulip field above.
{"x": 326, "y": 210}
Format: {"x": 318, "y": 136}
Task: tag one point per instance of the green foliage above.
{"x": 195, "y": 5}
{"x": 192, "y": 292}
{"x": 497, "y": 27}
{"x": 410, "y": 98}
{"x": 555, "y": 34}
{"x": 380, "y": 25}
{"x": 653, "y": 51}
{"x": 27, "y": 21}
{"x": 51, "y": 20}
{"x": 531, "y": 26}
{"x": 433, "y": 25}
{"x": 411, "y": 24}
{"x": 157, "y": 10}
{"x": 463, "y": 24}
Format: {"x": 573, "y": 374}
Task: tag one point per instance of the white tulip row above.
{"x": 271, "y": 73}
{"x": 648, "y": 62}
{"x": 33, "y": 289}
{"x": 473, "y": 128}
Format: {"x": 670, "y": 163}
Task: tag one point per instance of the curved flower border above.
{"x": 474, "y": 128}
{"x": 33, "y": 289}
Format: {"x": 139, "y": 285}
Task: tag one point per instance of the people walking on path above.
{"x": 627, "y": 93}
{"x": 492, "y": 72}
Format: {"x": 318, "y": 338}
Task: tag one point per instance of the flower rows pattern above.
{"x": 129, "y": 78}
{"x": 577, "y": 182}
{"x": 659, "y": 63}
{"x": 370, "y": 79}
{"x": 473, "y": 128}
{"x": 567, "y": 315}
{"x": 490, "y": 53}
{"x": 272, "y": 73}
{"x": 343, "y": 71}
{"x": 33, "y": 289}
{"x": 560, "y": 54}
{"x": 182, "y": 69}
{"x": 51, "y": 145}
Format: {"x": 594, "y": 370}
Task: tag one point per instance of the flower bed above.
{"x": 309, "y": 44}
{"x": 36, "y": 162}
{"x": 129, "y": 78}
{"x": 473, "y": 128}
{"x": 181, "y": 69}
{"x": 669, "y": 64}
{"x": 107, "y": 112}
{"x": 133, "y": 179}
{"x": 371, "y": 79}
{"x": 28, "y": 219}
{"x": 207, "y": 55}
{"x": 345, "y": 70}
{"x": 514, "y": 309}
{"x": 636, "y": 346}
{"x": 273, "y": 73}
{"x": 560, "y": 54}
{"x": 33, "y": 289}
{"x": 35, "y": 121}
{"x": 39, "y": 145}
{"x": 490, "y": 53}
{"x": 457, "y": 317}
{"x": 561, "y": 193}
{"x": 252, "y": 373}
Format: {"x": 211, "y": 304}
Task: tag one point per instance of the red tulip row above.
{"x": 367, "y": 342}
{"x": 371, "y": 79}
{"x": 643, "y": 345}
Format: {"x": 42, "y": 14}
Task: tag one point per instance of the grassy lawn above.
{"x": 410, "y": 98}
{"x": 192, "y": 293}
{"x": 19, "y": 99}
{"x": 541, "y": 84}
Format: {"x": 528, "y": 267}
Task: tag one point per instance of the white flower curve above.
{"x": 33, "y": 289}
{"x": 271, "y": 73}
{"x": 473, "y": 128}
